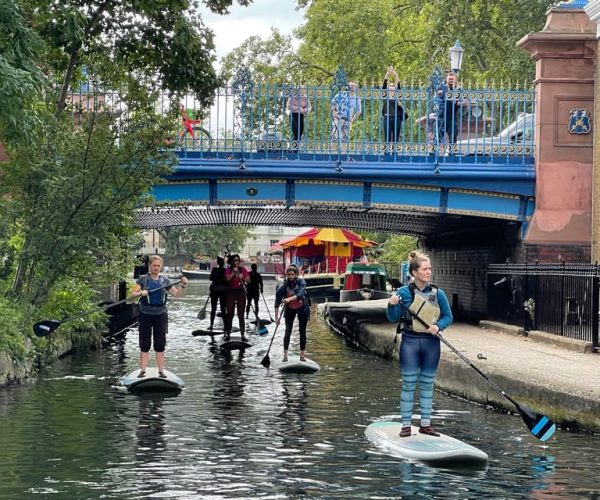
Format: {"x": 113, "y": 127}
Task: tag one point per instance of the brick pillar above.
{"x": 565, "y": 56}
{"x": 593, "y": 12}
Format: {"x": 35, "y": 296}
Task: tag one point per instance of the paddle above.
{"x": 540, "y": 425}
{"x": 46, "y": 327}
{"x": 266, "y": 361}
{"x": 266, "y": 306}
{"x": 202, "y": 311}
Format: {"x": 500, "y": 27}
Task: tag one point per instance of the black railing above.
{"x": 556, "y": 298}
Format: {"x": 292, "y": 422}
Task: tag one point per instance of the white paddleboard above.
{"x": 439, "y": 450}
{"x": 294, "y": 365}
{"x": 152, "y": 382}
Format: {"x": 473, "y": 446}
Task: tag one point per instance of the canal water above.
{"x": 239, "y": 430}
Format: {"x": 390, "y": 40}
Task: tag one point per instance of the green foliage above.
{"x": 395, "y": 250}
{"x": 415, "y": 36}
{"x": 20, "y": 79}
{"x": 75, "y": 193}
{"x": 208, "y": 241}
{"x": 12, "y": 339}
{"x": 158, "y": 44}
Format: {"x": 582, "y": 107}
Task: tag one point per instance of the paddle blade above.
{"x": 540, "y": 425}
{"x": 46, "y": 327}
{"x": 202, "y": 313}
{"x": 266, "y": 361}
{"x": 262, "y": 331}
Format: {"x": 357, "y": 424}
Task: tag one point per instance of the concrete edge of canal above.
{"x": 540, "y": 370}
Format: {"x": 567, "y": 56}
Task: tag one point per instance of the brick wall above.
{"x": 558, "y": 253}
{"x": 460, "y": 265}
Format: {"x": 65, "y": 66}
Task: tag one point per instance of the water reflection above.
{"x": 241, "y": 431}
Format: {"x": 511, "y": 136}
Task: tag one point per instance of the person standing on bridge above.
{"x": 345, "y": 110}
{"x": 392, "y": 112}
{"x": 419, "y": 347}
{"x": 237, "y": 277}
{"x": 299, "y": 106}
{"x": 292, "y": 293}
{"x": 450, "y": 112}
{"x": 153, "y": 320}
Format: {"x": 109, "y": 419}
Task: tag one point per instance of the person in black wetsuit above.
{"x": 254, "y": 289}
{"x": 292, "y": 293}
{"x": 218, "y": 291}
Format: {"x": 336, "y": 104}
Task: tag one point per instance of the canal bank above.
{"x": 552, "y": 375}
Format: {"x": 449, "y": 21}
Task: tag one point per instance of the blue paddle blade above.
{"x": 544, "y": 429}
{"x": 540, "y": 425}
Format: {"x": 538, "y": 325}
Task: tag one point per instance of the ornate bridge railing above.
{"x": 433, "y": 123}
{"x": 256, "y": 120}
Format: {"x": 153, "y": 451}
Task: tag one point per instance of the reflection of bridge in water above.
{"x": 248, "y": 169}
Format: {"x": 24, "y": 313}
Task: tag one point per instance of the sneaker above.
{"x": 405, "y": 431}
{"x": 226, "y": 337}
{"x": 284, "y": 360}
{"x": 142, "y": 374}
{"x": 302, "y": 358}
{"x": 428, "y": 430}
{"x": 162, "y": 375}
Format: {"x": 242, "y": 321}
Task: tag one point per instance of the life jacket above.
{"x": 154, "y": 299}
{"x": 296, "y": 303}
{"x": 428, "y": 310}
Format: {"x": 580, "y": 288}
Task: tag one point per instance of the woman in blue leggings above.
{"x": 419, "y": 348}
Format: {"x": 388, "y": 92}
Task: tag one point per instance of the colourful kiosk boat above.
{"x": 322, "y": 255}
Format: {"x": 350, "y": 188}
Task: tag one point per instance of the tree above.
{"x": 74, "y": 194}
{"x": 21, "y": 80}
{"x": 148, "y": 41}
{"x": 208, "y": 241}
{"x": 415, "y": 35}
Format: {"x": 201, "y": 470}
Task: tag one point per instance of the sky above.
{"x": 242, "y": 22}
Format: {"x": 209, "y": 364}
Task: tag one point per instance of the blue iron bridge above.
{"x": 409, "y": 158}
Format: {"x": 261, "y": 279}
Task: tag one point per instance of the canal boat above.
{"x": 322, "y": 255}
{"x": 441, "y": 451}
{"x": 152, "y": 382}
{"x": 364, "y": 281}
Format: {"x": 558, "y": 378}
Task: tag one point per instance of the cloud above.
{"x": 257, "y": 19}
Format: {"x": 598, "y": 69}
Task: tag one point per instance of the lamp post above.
{"x": 456, "y": 57}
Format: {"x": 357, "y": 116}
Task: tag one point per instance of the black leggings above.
{"x": 252, "y": 297}
{"x": 303, "y": 314}
{"x": 221, "y": 299}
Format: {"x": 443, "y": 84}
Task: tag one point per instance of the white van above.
{"x": 516, "y": 139}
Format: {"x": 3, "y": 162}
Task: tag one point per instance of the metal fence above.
{"x": 255, "y": 119}
{"x": 556, "y": 298}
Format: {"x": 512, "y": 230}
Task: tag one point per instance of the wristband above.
{"x": 183, "y": 286}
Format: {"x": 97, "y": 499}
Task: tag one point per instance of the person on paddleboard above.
{"x": 419, "y": 347}
{"x": 255, "y": 289}
{"x": 153, "y": 320}
{"x": 292, "y": 293}
{"x": 218, "y": 291}
{"x": 237, "y": 277}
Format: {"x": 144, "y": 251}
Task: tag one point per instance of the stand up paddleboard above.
{"x": 439, "y": 450}
{"x": 294, "y": 365}
{"x": 205, "y": 332}
{"x": 235, "y": 344}
{"x": 152, "y": 382}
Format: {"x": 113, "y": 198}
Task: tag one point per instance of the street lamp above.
{"x": 456, "y": 57}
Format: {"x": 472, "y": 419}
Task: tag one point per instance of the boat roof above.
{"x": 365, "y": 268}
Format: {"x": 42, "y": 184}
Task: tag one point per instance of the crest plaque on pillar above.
{"x": 579, "y": 121}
